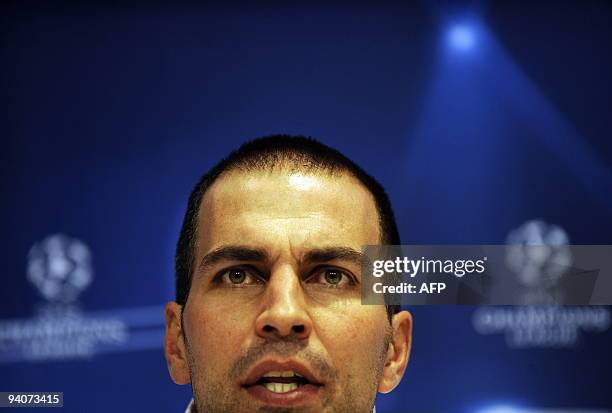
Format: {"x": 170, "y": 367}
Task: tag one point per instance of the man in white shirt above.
{"x": 268, "y": 314}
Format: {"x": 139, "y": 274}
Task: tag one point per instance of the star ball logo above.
{"x": 538, "y": 253}
{"x": 60, "y": 268}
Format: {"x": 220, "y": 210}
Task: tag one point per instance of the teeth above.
{"x": 287, "y": 373}
{"x": 281, "y": 387}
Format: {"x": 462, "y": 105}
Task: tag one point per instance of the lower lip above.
{"x": 302, "y": 395}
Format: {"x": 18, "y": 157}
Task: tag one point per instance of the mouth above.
{"x": 282, "y": 381}
{"x": 282, "y": 384}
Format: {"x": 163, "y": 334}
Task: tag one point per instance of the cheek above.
{"x": 359, "y": 330}
{"x": 215, "y": 337}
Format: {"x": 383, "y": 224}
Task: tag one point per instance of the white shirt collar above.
{"x": 191, "y": 404}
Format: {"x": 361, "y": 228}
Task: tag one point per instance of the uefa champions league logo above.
{"x": 60, "y": 268}
{"x": 539, "y": 254}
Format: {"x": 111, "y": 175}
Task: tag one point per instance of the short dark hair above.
{"x": 296, "y": 153}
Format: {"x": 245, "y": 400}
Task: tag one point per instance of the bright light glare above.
{"x": 501, "y": 409}
{"x": 303, "y": 182}
{"x": 461, "y": 37}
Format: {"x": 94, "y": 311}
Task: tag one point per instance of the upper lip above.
{"x": 261, "y": 368}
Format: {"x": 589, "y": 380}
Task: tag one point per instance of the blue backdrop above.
{"x": 476, "y": 118}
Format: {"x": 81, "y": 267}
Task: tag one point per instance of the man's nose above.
{"x": 284, "y": 311}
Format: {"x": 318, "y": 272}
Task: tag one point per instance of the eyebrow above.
{"x": 335, "y": 253}
{"x": 243, "y": 253}
{"x": 232, "y": 253}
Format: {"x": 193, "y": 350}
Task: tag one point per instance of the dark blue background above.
{"x": 112, "y": 112}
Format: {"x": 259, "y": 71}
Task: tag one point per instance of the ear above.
{"x": 174, "y": 345}
{"x": 397, "y": 353}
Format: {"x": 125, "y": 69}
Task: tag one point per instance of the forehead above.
{"x": 278, "y": 208}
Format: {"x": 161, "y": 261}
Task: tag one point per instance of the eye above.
{"x": 331, "y": 277}
{"x": 238, "y": 277}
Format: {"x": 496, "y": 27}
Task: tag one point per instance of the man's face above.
{"x": 276, "y": 292}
